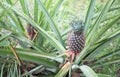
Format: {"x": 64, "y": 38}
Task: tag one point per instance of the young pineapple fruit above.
{"x": 76, "y": 39}
{"x": 31, "y": 32}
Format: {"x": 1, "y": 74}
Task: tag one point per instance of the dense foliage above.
{"x": 43, "y": 55}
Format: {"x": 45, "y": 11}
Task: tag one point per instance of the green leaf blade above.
{"x": 88, "y": 72}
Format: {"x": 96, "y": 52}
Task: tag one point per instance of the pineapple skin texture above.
{"x": 76, "y": 41}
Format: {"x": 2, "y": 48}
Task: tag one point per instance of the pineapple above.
{"x": 31, "y": 32}
{"x": 76, "y": 39}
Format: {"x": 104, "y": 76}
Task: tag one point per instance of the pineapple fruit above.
{"x": 76, "y": 39}
{"x": 31, "y": 32}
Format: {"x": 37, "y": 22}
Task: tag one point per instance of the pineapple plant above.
{"x": 101, "y": 28}
{"x": 76, "y": 39}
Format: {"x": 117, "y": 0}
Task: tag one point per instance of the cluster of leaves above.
{"x": 102, "y": 32}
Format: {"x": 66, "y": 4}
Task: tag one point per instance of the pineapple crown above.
{"x": 77, "y": 25}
